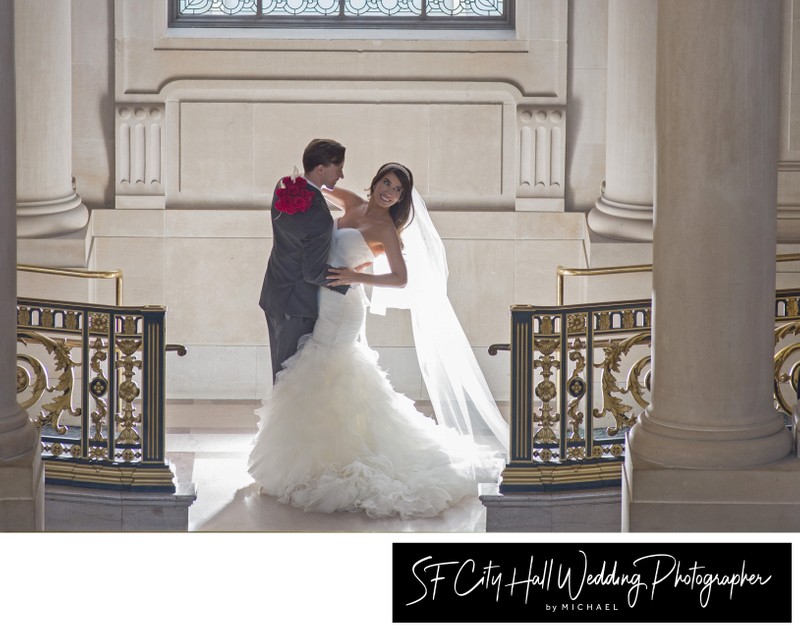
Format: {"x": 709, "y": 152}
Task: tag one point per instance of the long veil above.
{"x": 457, "y": 388}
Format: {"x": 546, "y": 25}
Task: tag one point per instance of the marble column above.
{"x": 21, "y": 472}
{"x": 47, "y": 204}
{"x": 625, "y": 208}
{"x": 710, "y": 452}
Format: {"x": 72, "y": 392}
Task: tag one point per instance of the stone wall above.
{"x": 179, "y": 137}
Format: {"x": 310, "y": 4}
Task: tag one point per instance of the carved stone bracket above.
{"x": 140, "y": 155}
{"x": 542, "y": 157}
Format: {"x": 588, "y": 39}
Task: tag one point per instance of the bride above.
{"x": 333, "y": 434}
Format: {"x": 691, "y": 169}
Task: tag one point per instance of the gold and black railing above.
{"x": 580, "y": 376}
{"x": 111, "y": 360}
{"x": 92, "y": 378}
{"x": 569, "y": 412}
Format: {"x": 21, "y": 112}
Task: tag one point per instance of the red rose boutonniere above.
{"x": 293, "y": 196}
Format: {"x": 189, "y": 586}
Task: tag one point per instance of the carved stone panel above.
{"x": 140, "y": 155}
{"x": 542, "y": 151}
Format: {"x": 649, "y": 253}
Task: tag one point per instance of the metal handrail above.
{"x": 116, "y": 274}
{"x": 561, "y": 272}
{"x": 78, "y": 273}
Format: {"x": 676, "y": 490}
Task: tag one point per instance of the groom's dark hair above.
{"x": 322, "y": 151}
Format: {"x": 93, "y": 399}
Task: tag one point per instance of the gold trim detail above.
{"x": 86, "y": 474}
{"x": 574, "y": 474}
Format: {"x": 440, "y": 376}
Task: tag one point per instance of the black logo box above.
{"x": 592, "y": 582}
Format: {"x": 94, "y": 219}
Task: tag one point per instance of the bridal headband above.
{"x": 399, "y": 167}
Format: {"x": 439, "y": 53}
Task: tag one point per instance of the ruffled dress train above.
{"x": 334, "y": 435}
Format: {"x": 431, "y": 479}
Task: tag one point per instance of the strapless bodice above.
{"x": 348, "y": 248}
{"x": 342, "y": 317}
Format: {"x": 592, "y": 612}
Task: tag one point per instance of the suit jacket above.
{"x": 297, "y": 264}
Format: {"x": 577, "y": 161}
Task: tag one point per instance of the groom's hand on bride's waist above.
{"x": 345, "y": 276}
{"x": 342, "y": 289}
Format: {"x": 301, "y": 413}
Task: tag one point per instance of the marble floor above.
{"x": 208, "y": 443}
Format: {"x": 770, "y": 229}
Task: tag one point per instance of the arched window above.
{"x": 425, "y": 14}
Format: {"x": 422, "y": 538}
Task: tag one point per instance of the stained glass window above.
{"x": 467, "y": 14}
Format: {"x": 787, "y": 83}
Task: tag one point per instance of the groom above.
{"x": 301, "y": 229}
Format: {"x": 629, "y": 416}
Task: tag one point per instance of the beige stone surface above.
{"x": 465, "y": 150}
{"x": 141, "y": 261}
{"x": 586, "y": 111}
{"x": 585, "y": 172}
{"x": 220, "y": 223}
{"x": 535, "y": 265}
{"x": 481, "y": 288}
{"x": 32, "y": 285}
{"x": 752, "y": 499}
{"x": 212, "y": 289}
{"x": 589, "y": 20}
{"x": 219, "y": 371}
{"x": 607, "y": 252}
{"x": 22, "y": 496}
{"x": 128, "y": 223}
{"x": 216, "y": 164}
{"x": 372, "y": 133}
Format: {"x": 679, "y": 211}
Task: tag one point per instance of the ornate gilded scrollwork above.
{"x": 128, "y": 420}
{"x": 23, "y": 316}
{"x": 614, "y": 351}
{"x": 638, "y": 385}
{"x": 783, "y": 375}
{"x": 51, "y": 411}
{"x": 576, "y": 323}
{"x": 576, "y": 387}
{"x": 98, "y": 388}
{"x": 546, "y": 391}
{"x": 24, "y": 379}
{"x": 628, "y": 319}
{"x": 98, "y": 322}
{"x": 547, "y": 326}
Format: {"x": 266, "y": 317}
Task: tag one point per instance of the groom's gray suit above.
{"x": 296, "y": 269}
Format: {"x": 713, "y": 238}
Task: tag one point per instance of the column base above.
{"x": 669, "y": 444}
{"x": 67, "y": 250}
{"x": 595, "y": 510}
{"x": 21, "y": 476}
{"x": 629, "y": 222}
{"x": 51, "y": 218}
{"x": 22, "y": 498}
{"x": 756, "y": 499}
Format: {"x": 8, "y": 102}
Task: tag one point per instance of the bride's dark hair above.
{"x": 401, "y": 210}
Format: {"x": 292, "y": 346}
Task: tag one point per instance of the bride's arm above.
{"x": 343, "y": 198}
{"x": 397, "y": 276}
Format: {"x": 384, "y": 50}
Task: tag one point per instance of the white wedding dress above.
{"x": 335, "y": 436}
